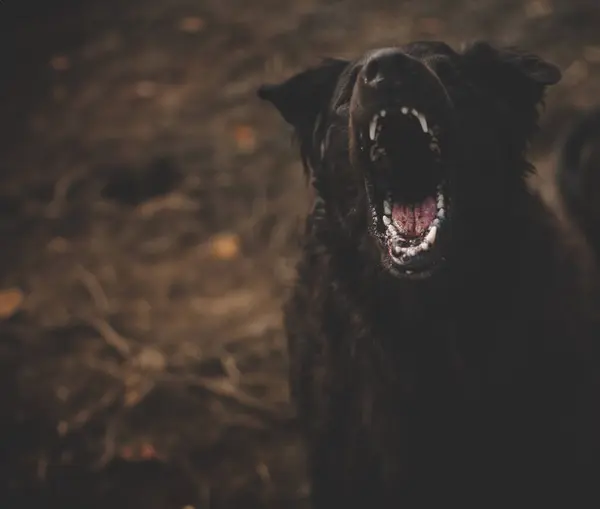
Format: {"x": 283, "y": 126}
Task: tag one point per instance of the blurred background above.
{"x": 149, "y": 216}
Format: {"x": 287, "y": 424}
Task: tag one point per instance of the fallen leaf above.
{"x": 60, "y": 63}
{"x": 225, "y": 246}
{"x": 191, "y": 24}
{"x": 11, "y": 300}
{"x": 245, "y": 138}
{"x": 147, "y": 451}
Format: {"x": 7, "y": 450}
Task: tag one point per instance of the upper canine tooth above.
{"x": 373, "y": 127}
{"x": 423, "y": 122}
{"x": 387, "y": 208}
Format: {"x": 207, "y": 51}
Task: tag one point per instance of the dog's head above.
{"x": 413, "y": 143}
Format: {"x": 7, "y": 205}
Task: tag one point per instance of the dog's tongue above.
{"x": 413, "y": 220}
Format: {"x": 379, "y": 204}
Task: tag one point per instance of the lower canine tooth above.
{"x": 423, "y": 122}
{"x": 430, "y": 238}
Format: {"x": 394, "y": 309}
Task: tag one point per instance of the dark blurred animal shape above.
{"x": 578, "y": 175}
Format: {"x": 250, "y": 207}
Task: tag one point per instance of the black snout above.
{"x": 389, "y": 67}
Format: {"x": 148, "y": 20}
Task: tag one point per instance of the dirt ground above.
{"x": 149, "y": 216}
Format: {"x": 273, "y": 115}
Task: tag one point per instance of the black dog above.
{"x": 579, "y": 176}
{"x": 440, "y": 345}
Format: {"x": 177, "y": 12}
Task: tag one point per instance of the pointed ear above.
{"x": 512, "y": 73}
{"x": 300, "y": 98}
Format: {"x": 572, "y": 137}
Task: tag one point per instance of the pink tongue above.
{"x": 413, "y": 220}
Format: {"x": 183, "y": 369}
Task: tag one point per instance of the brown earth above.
{"x": 149, "y": 214}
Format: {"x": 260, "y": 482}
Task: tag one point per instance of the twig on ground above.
{"x": 224, "y": 388}
{"x": 94, "y": 288}
{"x": 61, "y": 188}
{"x": 111, "y": 336}
{"x": 110, "y": 445}
{"x": 84, "y": 416}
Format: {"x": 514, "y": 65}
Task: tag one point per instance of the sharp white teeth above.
{"x": 423, "y": 122}
{"x": 436, "y": 222}
{"x": 404, "y": 111}
{"x": 441, "y": 213}
{"x": 423, "y": 246}
{"x": 440, "y": 201}
{"x": 387, "y": 208}
{"x": 411, "y": 251}
{"x": 382, "y": 113}
{"x": 373, "y": 128}
{"x": 430, "y": 237}
{"x": 414, "y": 112}
{"x": 387, "y": 221}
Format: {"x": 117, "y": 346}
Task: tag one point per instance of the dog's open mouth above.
{"x": 407, "y": 187}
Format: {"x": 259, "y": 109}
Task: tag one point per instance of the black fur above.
{"x": 474, "y": 386}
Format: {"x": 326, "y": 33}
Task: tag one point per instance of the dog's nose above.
{"x": 387, "y": 67}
